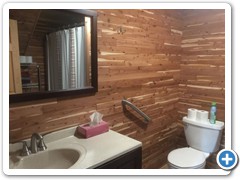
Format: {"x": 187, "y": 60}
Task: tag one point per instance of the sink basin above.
{"x": 49, "y": 159}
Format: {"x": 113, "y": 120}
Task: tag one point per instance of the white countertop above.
{"x": 105, "y": 147}
{"x": 96, "y": 150}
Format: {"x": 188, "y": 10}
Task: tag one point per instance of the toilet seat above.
{"x": 187, "y": 158}
{"x": 172, "y": 166}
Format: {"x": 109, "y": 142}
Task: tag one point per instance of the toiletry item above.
{"x": 87, "y": 131}
{"x": 213, "y": 112}
{"x": 95, "y": 118}
{"x": 192, "y": 113}
{"x": 94, "y": 127}
{"x": 202, "y": 115}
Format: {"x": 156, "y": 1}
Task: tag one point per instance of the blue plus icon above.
{"x": 227, "y": 159}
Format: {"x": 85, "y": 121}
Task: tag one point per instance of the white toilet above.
{"x": 203, "y": 139}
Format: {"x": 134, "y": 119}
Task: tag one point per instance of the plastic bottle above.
{"x": 213, "y": 112}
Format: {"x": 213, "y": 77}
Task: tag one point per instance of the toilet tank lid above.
{"x": 186, "y": 157}
{"x": 218, "y": 126}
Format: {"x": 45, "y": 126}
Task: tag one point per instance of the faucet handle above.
{"x": 42, "y": 146}
{"x": 25, "y": 150}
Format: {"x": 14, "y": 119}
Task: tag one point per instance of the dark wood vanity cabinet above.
{"x": 130, "y": 160}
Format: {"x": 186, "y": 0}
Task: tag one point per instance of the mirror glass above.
{"x": 57, "y": 51}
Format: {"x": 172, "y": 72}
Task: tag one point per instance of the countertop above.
{"x": 96, "y": 150}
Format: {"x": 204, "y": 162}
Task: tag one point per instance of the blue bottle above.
{"x": 213, "y": 112}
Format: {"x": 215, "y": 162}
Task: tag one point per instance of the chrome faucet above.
{"x": 25, "y": 149}
{"x": 37, "y": 143}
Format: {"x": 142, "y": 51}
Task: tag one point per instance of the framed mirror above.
{"x": 57, "y": 53}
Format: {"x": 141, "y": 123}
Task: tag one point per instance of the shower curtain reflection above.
{"x": 66, "y": 59}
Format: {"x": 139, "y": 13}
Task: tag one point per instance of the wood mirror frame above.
{"x": 14, "y": 98}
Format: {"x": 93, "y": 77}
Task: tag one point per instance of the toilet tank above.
{"x": 202, "y": 135}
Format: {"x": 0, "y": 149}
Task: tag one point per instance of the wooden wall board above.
{"x": 202, "y": 78}
{"x": 15, "y": 83}
{"x": 161, "y": 63}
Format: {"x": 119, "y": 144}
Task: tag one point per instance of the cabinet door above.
{"x": 15, "y": 84}
{"x": 130, "y": 160}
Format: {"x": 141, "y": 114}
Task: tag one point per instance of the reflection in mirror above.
{"x": 57, "y": 51}
{"x": 68, "y": 57}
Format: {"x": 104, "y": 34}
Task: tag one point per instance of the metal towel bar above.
{"x": 125, "y": 102}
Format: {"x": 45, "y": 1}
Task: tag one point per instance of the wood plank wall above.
{"x": 36, "y": 49}
{"x": 141, "y": 64}
{"x": 202, "y": 78}
{"x": 31, "y": 43}
{"x": 139, "y": 58}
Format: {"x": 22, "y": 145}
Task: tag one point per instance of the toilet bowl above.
{"x": 202, "y": 138}
{"x": 187, "y": 158}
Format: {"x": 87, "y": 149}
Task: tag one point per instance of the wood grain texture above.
{"x": 15, "y": 83}
{"x": 150, "y": 58}
{"x": 202, "y": 67}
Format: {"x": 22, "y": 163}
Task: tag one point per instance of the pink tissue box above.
{"x": 89, "y": 131}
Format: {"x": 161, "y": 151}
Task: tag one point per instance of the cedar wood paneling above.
{"x": 153, "y": 58}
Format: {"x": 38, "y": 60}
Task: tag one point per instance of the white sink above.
{"x": 68, "y": 150}
{"x": 55, "y": 157}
